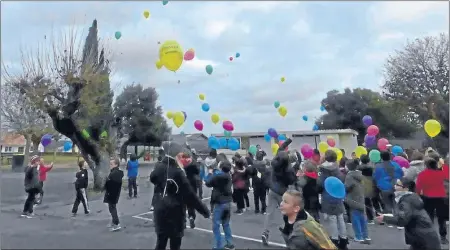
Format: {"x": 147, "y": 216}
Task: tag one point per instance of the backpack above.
{"x": 317, "y": 236}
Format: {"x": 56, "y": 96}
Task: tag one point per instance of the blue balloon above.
{"x": 205, "y": 107}
{"x": 334, "y": 187}
{"x": 282, "y": 138}
{"x": 267, "y": 137}
{"x": 322, "y": 108}
{"x": 238, "y": 54}
{"x": 213, "y": 142}
{"x": 315, "y": 127}
{"x": 397, "y": 150}
{"x": 68, "y": 145}
{"x": 223, "y": 142}
{"x": 305, "y": 118}
{"x": 234, "y": 144}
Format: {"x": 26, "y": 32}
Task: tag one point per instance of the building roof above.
{"x": 12, "y": 139}
{"x": 307, "y": 132}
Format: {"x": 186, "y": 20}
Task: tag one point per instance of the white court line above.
{"x": 151, "y": 212}
{"x": 234, "y": 236}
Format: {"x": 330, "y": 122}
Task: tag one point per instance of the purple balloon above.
{"x": 367, "y": 120}
{"x": 46, "y": 140}
{"x": 272, "y": 132}
{"x": 370, "y": 140}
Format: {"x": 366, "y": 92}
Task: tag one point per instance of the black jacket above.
{"x": 170, "y": 210}
{"x": 282, "y": 175}
{"x": 259, "y": 173}
{"x": 82, "y": 179}
{"x": 221, "y": 188}
{"x": 31, "y": 180}
{"x": 310, "y": 190}
{"x": 113, "y": 186}
{"x": 193, "y": 174}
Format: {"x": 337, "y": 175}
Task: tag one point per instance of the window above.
{"x": 20, "y": 150}
{"x": 9, "y": 149}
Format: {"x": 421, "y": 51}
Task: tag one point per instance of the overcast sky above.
{"x": 315, "y": 46}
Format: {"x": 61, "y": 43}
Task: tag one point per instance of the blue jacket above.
{"x": 384, "y": 171}
{"x": 132, "y": 167}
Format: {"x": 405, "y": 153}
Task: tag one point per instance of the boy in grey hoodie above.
{"x": 355, "y": 200}
{"x": 32, "y": 186}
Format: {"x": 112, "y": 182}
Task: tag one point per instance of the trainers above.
{"x": 444, "y": 240}
{"x": 367, "y": 241}
{"x": 358, "y": 240}
{"x": 239, "y": 212}
{"x": 26, "y": 215}
{"x": 192, "y": 223}
{"x": 74, "y": 214}
{"x": 257, "y": 212}
{"x": 229, "y": 246}
{"x": 390, "y": 226}
{"x": 371, "y": 222}
{"x": 87, "y": 212}
{"x": 152, "y": 208}
{"x": 115, "y": 228}
{"x": 265, "y": 238}
{"x": 400, "y": 228}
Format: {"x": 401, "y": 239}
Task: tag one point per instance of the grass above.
{"x": 60, "y": 161}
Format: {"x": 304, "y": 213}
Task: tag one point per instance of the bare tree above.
{"x": 70, "y": 82}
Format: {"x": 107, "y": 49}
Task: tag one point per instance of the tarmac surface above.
{"x": 54, "y": 228}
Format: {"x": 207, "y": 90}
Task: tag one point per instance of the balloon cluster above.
{"x": 178, "y": 117}
{"x": 282, "y": 110}
{"x": 224, "y": 143}
{"x": 330, "y": 145}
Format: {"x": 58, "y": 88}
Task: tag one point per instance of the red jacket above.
{"x": 43, "y": 171}
{"x": 430, "y": 183}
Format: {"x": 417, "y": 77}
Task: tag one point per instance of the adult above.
{"x": 32, "y": 186}
{"x": 416, "y": 166}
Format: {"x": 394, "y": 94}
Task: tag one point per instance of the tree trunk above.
{"x": 36, "y": 147}
{"x": 26, "y": 152}
{"x": 101, "y": 171}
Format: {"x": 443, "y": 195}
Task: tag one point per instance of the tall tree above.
{"x": 418, "y": 77}
{"x": 346, "y": 110}
{"x": 141, "y": 119}
{"x": 71, "y": 84}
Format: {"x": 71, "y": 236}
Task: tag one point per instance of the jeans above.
{"x": 221, "y": 216}
{"x": 132, "y": 186}
{"x": 359, "y": 224}
{"x": 113, "y": 211}
{"x": 335, "y": 226}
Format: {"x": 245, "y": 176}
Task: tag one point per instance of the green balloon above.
{"x": 209, "y": 69}
{"x": 227, "y": 133}
{"x": 104, "y": 134}
{"x": 276, "y": 104}
{"x": 118, "y": 35}
{"x": 252, "y": 149}
{"x": 85, "y": 134}
{"x": 375, "y": 156}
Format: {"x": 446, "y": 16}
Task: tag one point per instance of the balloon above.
{"x": 272, "y": 132}
{"x": 334, "y": 187}
{"x": 252, "y": 149}
{"x": 104, "y": 134}
{"x": 282, "y": 110}
{"x": 85, "y": 134}
{"x": 223, "y": 142}
{"x": 231, "y": 58}
{"x": 307, "y": 151}
{"x": 213, "y": 142}
{"x": 275, "y": 148}
{"x": 315, "y": 127}
{"x": 322, "y": 108}
{"x": 370, "y": 140}
{"x": 169, "y": 115}
{"x": 234, "y": 144}
{"x": 46, "y": 140}
{"x": 281, "y": 143}
{"x": 382, "y": 144}
{"x": 276, "y": 104}
{"x": 215, "y": 118}
{"x": 227, "y": 133}
{"x": 184, "y": 114}
{"x": 158, "y": 64}
{"x": 146, "y": 13}
{"x": 67, "y": 145}
{"x": 360, "y": 150}
{"x": 374, "y": 156}
{"x": 189, "y": 55}
{"x": 165, "y": 2}
{"x": 372, "y": 130}
{"x": 171, "y": 55}
{"x": 209, "y": 69}
{"x": 338, "y": 153}
{"x": 205, "y": 107}
{"x": 228, "y": 126}
{"x": 401, "y": 161}
{"x": 331, "y": 142}
{"x": 182, "y": 133}
{"x": 118, "y": 35}
{"x": 305, "y": 118}
{"x": 282, "y": 138}
{"x": 432, "y": 128}
{"x": 396, "y": 150}
{"x": 178, "y": 119}
{"x": 267, "y": 137}
{"x": 198, "y": 125}
{"x": 367, "y": 120}
{"x": 201, "y": 97}
{"x": 323, "y": 147}
{"x": 238, "y": 55}
{"x": 282, "y": 79}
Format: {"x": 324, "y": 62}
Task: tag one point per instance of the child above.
{"x": 258, "y": 172}
{"x": 369, "y": 187}
{"x": 307, "y": 182}
{"x": 239, "y": 185}
{"x": 113, "y": 186}
{"x": 410, "y": 213}
{"x": 43, "y": 169}
{"x": 300, "y": 230}
{"x": 81, "y": 183}
{"x": 32, "y": 186}
{"x": 355, "y": 201}
{"x": 132, "y": 172}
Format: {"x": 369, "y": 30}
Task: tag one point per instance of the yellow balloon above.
{"x": 275, "y": 148}
{"x": 338, "y": 153}
{"x": 201, "y": 97}
{"x": 323, "y": 147}
{"x": 215, "y": 118}
{"x": 169, "y": 114}
{"x": 146, "y": 13}
{"x": 432, "y": 127}
{"x": 360, "y": 150}
{"x": 178, "y": 119}
{"x": 283, "y": 79}
{"x": 158, "y": 64}
{"x": 282, "y": 110}
{"x": 171, "y": 55}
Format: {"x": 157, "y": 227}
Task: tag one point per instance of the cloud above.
{"x": 302, "y": 27}
{"x": 389, "y": 36}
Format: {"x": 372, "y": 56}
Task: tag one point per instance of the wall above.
{"x": 349, "y": 143}
{"x": 11, "y": 149}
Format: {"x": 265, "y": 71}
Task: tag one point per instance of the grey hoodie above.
{"x": 355, "y": 190}
{"x": 415, "y": 167}
{"x": 329, "y": 204}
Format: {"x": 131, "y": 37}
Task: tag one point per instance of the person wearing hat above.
{"x": 32, "y": 186}
{"x": 175, "y": 195}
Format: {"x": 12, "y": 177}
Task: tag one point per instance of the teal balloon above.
{"x": 234, "y": 144}
{"x": 238, "y": 55}
{"x": 252, "y": 149}
{"x": 267, "y": 137}
{"x": 227, "y": 133}
{"x": 118, "y": 35}
{"x": 276, "y": 104}
{"x": 182, "y": 133}
{"x": 209, "y": 69}
{"x": 165, "y": 2}
{"x": 374, "y": 156}
{"x": 68, "y": 145}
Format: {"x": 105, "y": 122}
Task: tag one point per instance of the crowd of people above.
{"x": 317, "y": 197}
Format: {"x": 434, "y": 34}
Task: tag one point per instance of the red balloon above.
{"x": 231, "y": 58}
{"x": 331, "y": 142}
{"x": 382, "y": 144}
{"x": 373, "y": 130}
{"x": 281, "y": 143}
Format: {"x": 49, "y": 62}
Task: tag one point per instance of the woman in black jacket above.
{"x": 240, "y": 188}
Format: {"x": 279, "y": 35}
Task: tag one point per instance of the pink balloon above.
{"x": 331, "y": 142}
{"x": 401, "y": 161}
{"x": 189, "y": 55}
{"x": 372, "y": 130}
{"x": 307, "y": 151}
{"x": 382, "y": 144}
{"x": 198, "y": 125}
{"x": 228, "y": 126}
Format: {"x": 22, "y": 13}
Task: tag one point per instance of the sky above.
{"x": 316, "y": 46}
